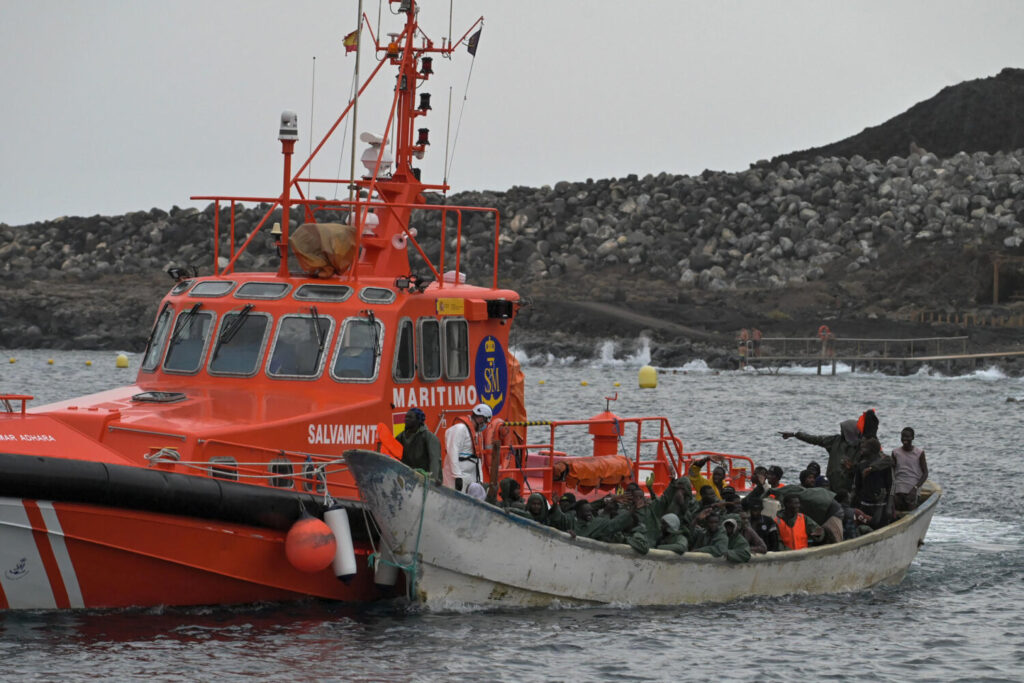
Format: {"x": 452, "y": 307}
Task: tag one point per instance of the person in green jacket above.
{"x": 509, "y": 494}
{"x": 707, "y": 535}
{"x": 536, "y": 509}
{"x": 421, "y": 449}
{"x": 738, "y": 549}
{"x": 672, "y": 537}
{"x": 590, "y": 525}
{"x": 843, "y": 449}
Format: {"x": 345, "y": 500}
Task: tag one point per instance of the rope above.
{"x": 528, "y": 423}
{"x": 458, "y": 126}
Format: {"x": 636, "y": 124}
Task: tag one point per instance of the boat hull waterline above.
{"x": 473, "y": 553}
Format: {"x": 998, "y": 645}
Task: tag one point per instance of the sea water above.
{"x": 959, "y": 613}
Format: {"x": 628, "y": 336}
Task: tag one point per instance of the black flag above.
{"x": 474, "y": 40}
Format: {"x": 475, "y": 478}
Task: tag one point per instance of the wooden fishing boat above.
{"x": 460, "y": 551}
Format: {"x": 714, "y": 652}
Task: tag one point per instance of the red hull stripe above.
{"x": 41, "y": 535}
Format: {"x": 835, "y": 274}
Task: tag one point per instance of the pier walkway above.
{"x": 827, "y": 350}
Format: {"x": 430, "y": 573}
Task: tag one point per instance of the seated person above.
{"x": 536, "y": 509}
{"x": 590, "y": 525}
{"x": 672, "y": 537}
{"x": 796, "y": 530}
{"x": 510, "y": 494}
{"x": 707, "y": 535}
{"x": 737, "y": 550}
{"x": 762, "y": 524}
{"x": 819, "y": 480}
{"x": 757, "y": 545}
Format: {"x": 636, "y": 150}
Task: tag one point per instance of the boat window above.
{"x": 358, "y": 353}
{"x": 213, "y": 288}
{"x": 334, "y": 293}
{"x": 188, "y": 342}
{"x": 376, "y": 295}
{"x": 456, "y": 342}
{"x": 405, "y": 357}
{"x": 239, "y": 344}
{"x": 300, "y": 346}
{"x": 181, "y": 287}
{"x": 262, "y": 290}
{"x": 284, "y": 468}
{"x": 158, "y": 340}
{"x": 224, "y": 467}
{"x": 430, "y": 348}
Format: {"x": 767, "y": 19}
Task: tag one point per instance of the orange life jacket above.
{"x": 471, "y": 426}
{"x": 793, "y": 537}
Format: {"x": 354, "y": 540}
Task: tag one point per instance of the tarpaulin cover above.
{"x": 323, "y": 249}
{"x": 600, "y": 470}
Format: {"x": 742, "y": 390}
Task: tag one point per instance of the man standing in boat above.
{"x": 843, "y": 448}
{"x": 462, "y": 450}
{"x": 421, "y": 449}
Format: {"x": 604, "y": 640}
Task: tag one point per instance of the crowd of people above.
{"x": 861, "y": 490}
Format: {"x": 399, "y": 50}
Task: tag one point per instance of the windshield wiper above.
{"x": 228, "y": 333}
{"x": 185, "y": 321}
{"x": 321, "y": 336}
{"x": 152, "y": 332}
{"x": 376, "y": 337}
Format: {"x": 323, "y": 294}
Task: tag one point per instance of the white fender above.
{"x": 384, "y": 574}
{"x": 345, "y": 557}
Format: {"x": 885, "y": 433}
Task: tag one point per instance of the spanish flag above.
{"x": 351, "y": 41}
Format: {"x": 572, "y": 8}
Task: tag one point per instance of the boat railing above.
{"x": 7, "y": 407}
{"x": 652, "y": 448}
{"x": 277, "y": 468}
{"x": 311, "y": 206}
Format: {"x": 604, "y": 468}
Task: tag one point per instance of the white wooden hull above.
{"x": 473, "y": 553}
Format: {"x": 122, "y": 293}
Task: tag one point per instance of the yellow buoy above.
{"x": 539, "y": 382}
{"x": 122, "y": 361}
{"x": 616, "y": 384}
{"x": 648, "y": 377}
{"x": 88, "y": 363}
{"x": 49, "y": 362}
{"x": 583, "y": 383}
{"x": 12, "y": 360}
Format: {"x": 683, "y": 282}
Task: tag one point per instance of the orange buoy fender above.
{"x": 344, "y": 556}
{"x": 385, "y": 574}
{"x": 310, "y": 544}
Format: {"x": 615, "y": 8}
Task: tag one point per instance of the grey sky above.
{"x": 119, "y": 105}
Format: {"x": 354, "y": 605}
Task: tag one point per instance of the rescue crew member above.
{"x": 796, "y": 528}
{"x": 421, "y": 449}
{"x": 462, "y": 450}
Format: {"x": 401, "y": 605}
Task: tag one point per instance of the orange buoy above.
{"x": 310, "y": 544}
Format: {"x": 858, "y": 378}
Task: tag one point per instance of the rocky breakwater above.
{"x": 680, "y": 257}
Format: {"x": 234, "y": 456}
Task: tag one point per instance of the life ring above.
{"x": 824, "y": 333}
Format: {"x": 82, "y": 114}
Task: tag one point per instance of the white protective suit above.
{"x": 458, "y": 445}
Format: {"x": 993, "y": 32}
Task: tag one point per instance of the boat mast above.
{"x": 355, "y": 115}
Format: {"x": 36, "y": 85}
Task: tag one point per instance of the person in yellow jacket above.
{"x": 717, "y": 481}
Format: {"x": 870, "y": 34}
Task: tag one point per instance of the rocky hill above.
{"x": 863, "y": 243}
{"x": 983, "y": 115}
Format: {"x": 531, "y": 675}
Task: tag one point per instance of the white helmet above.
{"x": 482, "y": 410}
